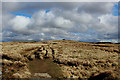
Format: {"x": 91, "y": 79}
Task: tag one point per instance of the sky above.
{"x": 42, "y": 21}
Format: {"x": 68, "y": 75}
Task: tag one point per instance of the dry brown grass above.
{"x": 75, "y": 59}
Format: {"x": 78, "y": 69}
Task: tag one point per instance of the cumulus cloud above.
{"x": 19, "y": 24}
{"x": 108, "y": 23}
{"x": 63, "y": 23}
{"x": 76, "y": 21}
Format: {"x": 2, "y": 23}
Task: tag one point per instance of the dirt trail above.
{"x": 45, "y": 66}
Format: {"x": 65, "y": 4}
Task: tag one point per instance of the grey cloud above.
{"x": 62, "y": 20}
{"x": 96, "y": 8}
{"x": 90, "y": 7}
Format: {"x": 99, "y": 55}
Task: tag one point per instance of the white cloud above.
{"x": 41, "y": 17}
{"x": 61, "y": 21}
{"x": 111, "y": 40}
{"x": 108, "y": 24}
{"x": 42, "y": 34}
{"x": 19, "y": 23}
{"x": 41, "y": 39}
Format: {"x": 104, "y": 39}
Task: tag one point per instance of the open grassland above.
{"x": 60, "y": 59}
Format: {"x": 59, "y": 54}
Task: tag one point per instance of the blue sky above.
{"x": 25, "y": 13}
{"x": 115, "y": 10}
{"x": 72, "y": 21}
{"x": 20, "y": 14}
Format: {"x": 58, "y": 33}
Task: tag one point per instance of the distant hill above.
{"x": 103, "y": 42}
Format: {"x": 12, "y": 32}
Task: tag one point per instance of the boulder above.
{"x": 42, "y": 75}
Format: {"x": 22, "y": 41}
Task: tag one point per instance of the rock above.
{"x": 42, "y": 75}
{"x": 16, "y": 75}
{"x": 75, "y": 76}
{"x": 32, "y": 56}
{"x": 42, "y": 48}
{"x": 20, "y": 63}
{"x": 25, "y": 74}
{"x": 7, "y": 62}
{"x": 49, "y": 53}
{"x": 43, "y": 52}
{"x": 41, "y": 58}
